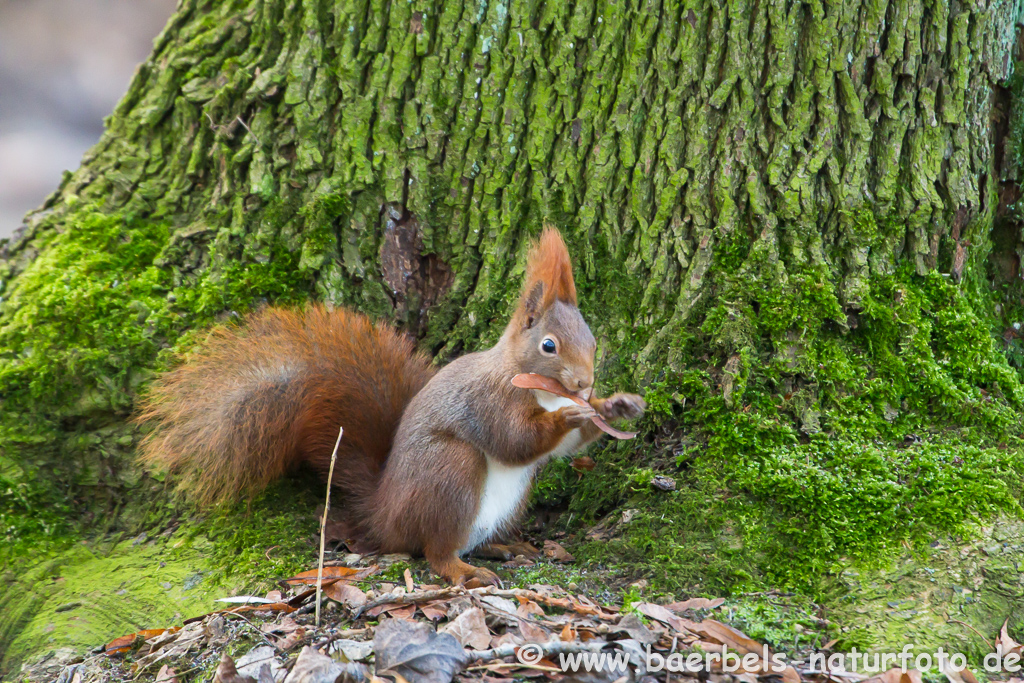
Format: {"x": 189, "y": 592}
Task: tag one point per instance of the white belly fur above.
{"x": 506, "y": 486}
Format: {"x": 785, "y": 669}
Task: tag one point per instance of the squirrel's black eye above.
{"x": 548, "y": 346}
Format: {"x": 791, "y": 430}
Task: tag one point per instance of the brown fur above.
{"x": 548, "y": 267}
{"x": 260, "y": 398}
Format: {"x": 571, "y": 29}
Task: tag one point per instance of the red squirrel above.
{"x": 438, "y": 464}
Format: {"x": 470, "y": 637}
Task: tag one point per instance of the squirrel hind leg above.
{"x": 448, "y": 565}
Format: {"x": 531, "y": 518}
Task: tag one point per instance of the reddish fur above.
{"x": 549, "y": 264}
{"x": 260, "y": 398}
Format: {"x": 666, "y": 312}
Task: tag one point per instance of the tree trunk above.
{"x": 780, "y": 213}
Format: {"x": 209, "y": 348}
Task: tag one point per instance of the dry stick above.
{"x": 254, "y": 628}
{"x": 427, "y": 596}
{"x": 517, "y": 665}
{"x": 547, "y": 649}
{"x": 323, "y": 525}
{"x": 408, "y": 599}
{"x": 558, "y": 603}
{"x": 964, "y": 623}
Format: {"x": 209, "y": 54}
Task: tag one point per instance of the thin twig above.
{"x": 254, "y": 628}
{"x": 187, "y": 671}
{"x": 323, "y": 524}
{"x": 344, "y": 633}
{"x": 408, "y": 599}
{"x": 547, "y": 649}
{"x": 517, "y": 665}
{"x": 515, "y": 593}
{"x": 249, "y": 130}
{"x": 964, "y": 623}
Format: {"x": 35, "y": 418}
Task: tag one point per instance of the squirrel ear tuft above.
{"x": 548, "y": 275}
{"x": 532, "y": 304}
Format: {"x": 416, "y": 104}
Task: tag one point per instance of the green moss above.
{"x": 259, "y": 542}
{"x": 813, "y": 437}
{"x": 81, "y": 327}
{"x": 87, "y": 595}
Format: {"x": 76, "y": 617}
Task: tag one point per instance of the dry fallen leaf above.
{"x": 533, "y": 633}
{"x": 226, "y": 672}
{"x": 435, "y": 610}
{"x": 313, "y": 667}
{"x": 308, "y": 578}
{"x": 409, "y": 585}
{"x": 287, "y": 633}
{"x": 790, "y": 675}
{"x": 695, "y": 604}
{"x": 727, "y": 635}
{"x": 635, "y": 629}
{"x": 416, "y": 652}
{"x": 166, "y": 675}
{"x": 567, "y": 635}
{"x": 504, "y": 605}
{"x": 348, "y": 595}
{"x": 406, "y": 612}
{"x": 896, "y": 676}
{"x": 470, "y": 629}
{"x": 124, "y": 643}
{"x": 352, "y": 650}
{"x": 506, "y": 638}
{"x": 649, "y": 609}
{"x": 172, "y": 644}
{"x": 584, "y": 463}
{"x": 528, "y": 608}
{"x": 556, "y": 552}
{"x": 1005, "y": 642}
{"x": 256, "y": 660}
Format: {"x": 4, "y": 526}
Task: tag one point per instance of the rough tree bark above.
{"x": 702, "y": 157}
{"x": 653, "y": 134}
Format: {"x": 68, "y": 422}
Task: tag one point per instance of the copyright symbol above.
{"x": 531, "y": 653}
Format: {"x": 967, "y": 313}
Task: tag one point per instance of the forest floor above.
{"x": 160, "y": 593}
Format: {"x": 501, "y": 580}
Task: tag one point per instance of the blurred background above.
{"x": 64, "y": 64}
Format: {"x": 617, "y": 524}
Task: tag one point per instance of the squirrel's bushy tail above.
{"x": 258, "y": 398}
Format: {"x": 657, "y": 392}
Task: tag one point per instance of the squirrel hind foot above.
{"x": 457, "y": 572}
{"x": 505, "y": 552}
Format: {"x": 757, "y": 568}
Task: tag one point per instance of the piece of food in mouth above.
{"x": 530, "y": 380}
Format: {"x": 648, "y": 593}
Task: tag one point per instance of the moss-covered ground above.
{"x": 85, "y": 589}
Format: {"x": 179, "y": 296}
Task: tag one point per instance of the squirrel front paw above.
{"x": 622, "y": 407}
{"x": 576, "y": 415}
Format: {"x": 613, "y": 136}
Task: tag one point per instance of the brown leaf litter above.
{"x": 420, "y": 633}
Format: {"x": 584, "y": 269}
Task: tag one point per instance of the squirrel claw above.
{"x": 577, "y": 415}
{"x": 481, "y": 577}
{"x": 462, "y": 574}
{"x": 506, "y": 552}
{"x": 622, "y": 406}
